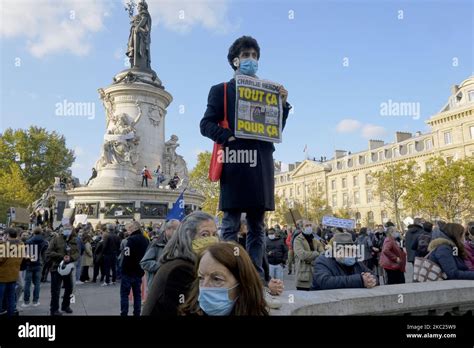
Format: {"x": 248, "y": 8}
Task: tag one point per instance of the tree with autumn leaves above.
{"x": 29, "y": 161}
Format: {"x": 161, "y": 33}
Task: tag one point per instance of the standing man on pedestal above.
{"x": 243, "y": 188}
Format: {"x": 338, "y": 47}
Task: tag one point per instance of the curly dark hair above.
{"x": 242, "y": 43}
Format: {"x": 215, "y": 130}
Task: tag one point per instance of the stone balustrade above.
{"x": 455, "y": 297}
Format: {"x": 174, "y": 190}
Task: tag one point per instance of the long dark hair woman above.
{"x": 226, "y": 284}
{"x": 447, "y": 250}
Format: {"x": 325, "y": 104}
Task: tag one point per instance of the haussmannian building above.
{"x": 346, "y": 180}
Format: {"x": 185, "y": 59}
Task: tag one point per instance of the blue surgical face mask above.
{"x": 396, "y": 235}
{"x": 67, "y": 232}
{"x": 248, "y": 66}
{"x": 348, "y": 261}
{"x": 215, "y": 301}
{"x": 308, "y": 230}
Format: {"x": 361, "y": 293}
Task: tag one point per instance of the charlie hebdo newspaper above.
{"x": 258, "y": 109}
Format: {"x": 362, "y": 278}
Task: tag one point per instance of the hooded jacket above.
{"x": 442, "y": 252}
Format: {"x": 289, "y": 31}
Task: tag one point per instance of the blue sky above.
{"x": 404, "y": 51}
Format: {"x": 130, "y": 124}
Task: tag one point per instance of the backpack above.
{"x": 423, "y": 241}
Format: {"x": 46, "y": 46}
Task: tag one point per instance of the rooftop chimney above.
{"x": 374, "y": 144}
{"x": 402, "y": 136}
{"x": 340, "y": 153}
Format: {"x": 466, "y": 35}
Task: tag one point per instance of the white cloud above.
{"x": 78, "y": 151}
{"x": 66, "y": 26}
{"x": 182, "y": 15}
{"x": 371, "y": 131}
{"x": 52, "y": 26}
{"x": 77, "y": 165}
{"x": 348, "y": 126}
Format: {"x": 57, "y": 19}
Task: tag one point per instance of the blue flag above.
{"x": 177, "y": 212}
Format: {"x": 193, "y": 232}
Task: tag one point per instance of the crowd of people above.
{"x": 190, "y": 270}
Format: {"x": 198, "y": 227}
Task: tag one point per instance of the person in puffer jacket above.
{"x": 469, "y": 246}
{"x": 447, "y": 250}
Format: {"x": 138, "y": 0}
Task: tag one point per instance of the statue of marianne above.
{"x": 140, "y": 38}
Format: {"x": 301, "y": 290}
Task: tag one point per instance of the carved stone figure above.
{"x": 140, "y": 38}
{"x": 175, "y": 163}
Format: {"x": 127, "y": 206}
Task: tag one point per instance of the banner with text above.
{"x": 337, "y": 222}
{"x": 258, "y": 109}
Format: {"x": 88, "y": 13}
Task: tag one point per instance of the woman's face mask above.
{"x": 215, "y": 301}
{"x": 200, "y": 244}
{"x": 308, "y": 230}
{"x": 67, "y": 232}
{"x": 271, "y": 236}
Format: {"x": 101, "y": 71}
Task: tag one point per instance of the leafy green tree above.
{"x": 198, "y": 179}
{"x": 40, "y": 155}
{"x": 317, "y": 206}
{"x": 393, "y": 182}
{"x": 14, "y": 191}
{"x": 445, "y": 191}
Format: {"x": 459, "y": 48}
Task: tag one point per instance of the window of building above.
{"x": 447, "y": 138}
{"x": 370, "y": 216}
{"x": 368, "y": 179}
{"x": 284, "y": 192}
{"x": 334, "y": 201}
{"x": 384, "y": 215}
{"x": 333, "y": 184}
{"x": 344, "y": 182}
{"x": 291, "y": 192}
{"x": 471, "y": 129}
{"x": 344, "y": 199}
{"x": 396, "y": 152}
{"x": 410, "y": 149}
{"x": 381, "y": 156}
{"x": 356, "y": 197}
{"x": 369, "y": 196}
{"x": 428, "y": 144}
{"x": 320, "y": 186}
{"x": 358, "y": 216}
{"x": 355, "y": 180}
{"x": 298, "y": 191}
{"x": 471, "y": 95}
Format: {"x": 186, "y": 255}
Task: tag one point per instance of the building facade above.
{"x": 346, "y": 181}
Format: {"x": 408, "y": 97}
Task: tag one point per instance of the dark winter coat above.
{"x": 442, "y": 252}
{"x": 57, "y": 249}
{"x": 170, "y": 287}
{"x": 242, "y": 187}
{"x": 414, "y": 231}
{"x": 133, "y": 253}
{"x": 42, "y": 245}
{"x": 330, "y": 274}
{"x": 277, "y": 252}
{"x": 420, "y": 246}
{"x": 111, "y": 244}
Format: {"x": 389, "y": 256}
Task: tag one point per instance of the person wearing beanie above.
{"x": 339, "y": 267}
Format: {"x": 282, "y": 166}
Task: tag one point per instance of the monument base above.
{"x": 144, "y": 204}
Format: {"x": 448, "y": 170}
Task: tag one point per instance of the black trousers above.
{"x": 395, "y": 277}
{"x": 99, "y": 266}
{"x": 145, "y": 179}
{"x": 45, "y": 271}
{"x": 56, "y": 281}
{"x": 84, "y": 274}
{"x": 110, "y": 264}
